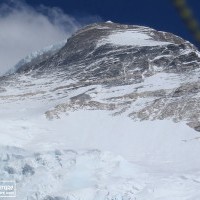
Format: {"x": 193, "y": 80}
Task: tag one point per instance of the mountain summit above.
{"x": 129, "y": 90}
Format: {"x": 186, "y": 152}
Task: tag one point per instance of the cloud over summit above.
{"x": 24, "y": 29}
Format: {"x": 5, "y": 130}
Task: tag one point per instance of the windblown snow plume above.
{"x": 25, "y": 29}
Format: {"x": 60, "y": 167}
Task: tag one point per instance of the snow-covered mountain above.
{"x": 113, "y": 114}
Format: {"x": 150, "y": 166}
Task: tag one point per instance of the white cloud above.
{"x": 24, "y": 29}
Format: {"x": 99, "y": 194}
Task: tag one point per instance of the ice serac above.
{"x": 129, "y": 90}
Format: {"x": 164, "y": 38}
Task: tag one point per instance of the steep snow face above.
{"x": 131, "y": 38}
{"x": 106, "y": 121}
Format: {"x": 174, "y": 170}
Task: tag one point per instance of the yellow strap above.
{"x": 188, "y": 17}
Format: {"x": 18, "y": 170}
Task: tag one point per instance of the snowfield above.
{"x": 131, "y": 38}
{"x": 149, "y": 142}
{"x": 69, "y": 158}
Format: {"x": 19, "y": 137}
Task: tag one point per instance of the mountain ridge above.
{"x": 90, "y": 58}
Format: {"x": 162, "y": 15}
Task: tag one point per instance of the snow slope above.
{"x": 158, "y": 159}
{"x": 149, "y": 142}
{"x": 106, "y": 117}
{"x": 57, "y": 159}
{"x": 131, "y": 38}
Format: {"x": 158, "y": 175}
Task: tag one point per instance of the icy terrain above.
{"x": 113, "y": 114}
{"x": 131, "y": 38}
{"x": 58, "y": 160}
